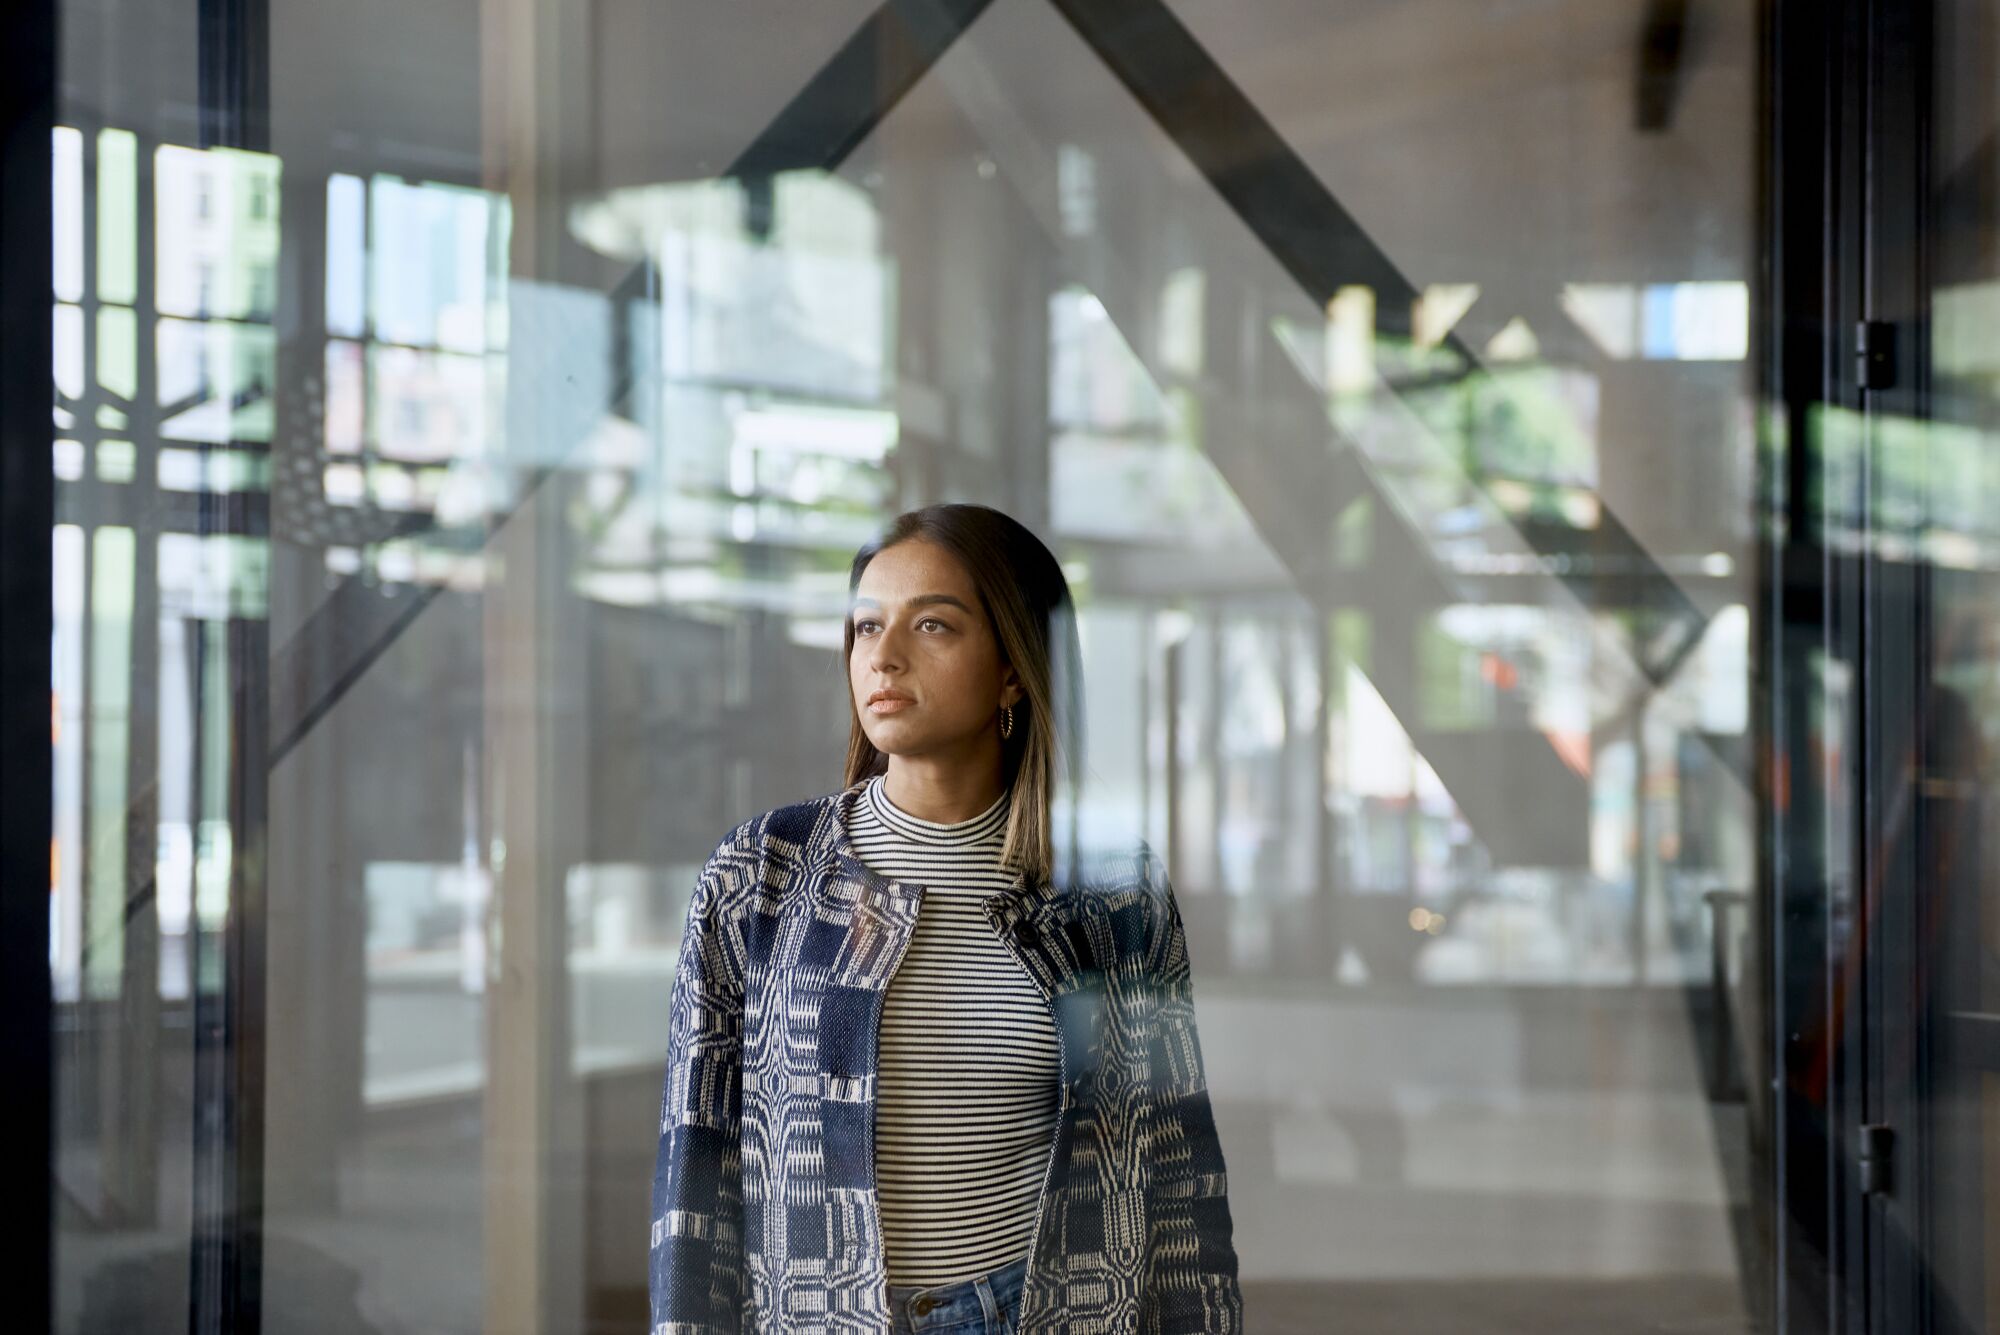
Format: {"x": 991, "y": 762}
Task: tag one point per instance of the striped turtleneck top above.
{"x": 968, "y": 1070}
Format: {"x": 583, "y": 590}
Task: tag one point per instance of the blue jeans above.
{"x": 988, "y": 1304}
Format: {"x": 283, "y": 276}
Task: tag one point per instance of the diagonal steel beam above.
{"x": 1265, "y": 430}
{"x": 838, "y": 108}
{"x": 1321, "y": 245}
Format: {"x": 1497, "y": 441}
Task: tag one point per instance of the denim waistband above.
{"x": 968, "y": 1302}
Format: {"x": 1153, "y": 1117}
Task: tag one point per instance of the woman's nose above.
{"x": 886, "y": 646}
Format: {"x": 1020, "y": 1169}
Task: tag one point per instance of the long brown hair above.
{"x": 1027, "y": 603}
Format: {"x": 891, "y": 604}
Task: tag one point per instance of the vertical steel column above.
{"x": 226, "y": 1283}
{"x": 1907, "y": 717}
{"x": 1788, "y": 931}
{"x": 27, "y": 514}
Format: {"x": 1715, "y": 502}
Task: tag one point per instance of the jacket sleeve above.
{"x": 696, "y": 1275}
{"x": 1196, "y": 1288}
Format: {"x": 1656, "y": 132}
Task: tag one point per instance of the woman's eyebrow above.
{"x": 921, "y": 600}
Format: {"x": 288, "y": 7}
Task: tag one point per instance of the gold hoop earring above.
{"x": 1006, "y": 720}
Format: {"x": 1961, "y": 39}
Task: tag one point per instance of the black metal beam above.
{"x": 233, "y": 71}
{"x": 1324, "y": 248}
{"x": 226, "y": 1255}
{"x": 27, "y": 508}
{"x": 1789, "y": 1146}
{"x": 841, "y": 105}
{"x": 1662, "y": 43}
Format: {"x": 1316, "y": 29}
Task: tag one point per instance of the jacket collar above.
{"x": 1023, "y": 898}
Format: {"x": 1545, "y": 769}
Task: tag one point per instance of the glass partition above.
{"x": 456, "y": 494}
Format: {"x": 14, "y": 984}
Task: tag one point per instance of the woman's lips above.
{"x": 890, "y": 705}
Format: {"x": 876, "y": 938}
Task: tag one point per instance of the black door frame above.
{"x": 27, "y": 518}
{"x": 1844, "y": 625}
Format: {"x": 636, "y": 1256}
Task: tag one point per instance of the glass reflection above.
{"x": 1410, "y": 484}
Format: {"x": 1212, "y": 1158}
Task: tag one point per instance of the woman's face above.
{"x": 920, "y": 632}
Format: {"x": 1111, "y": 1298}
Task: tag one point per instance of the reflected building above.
{"x": 1530, "y": 521}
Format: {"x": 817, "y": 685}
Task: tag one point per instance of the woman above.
{"x": 921, "y": 1077}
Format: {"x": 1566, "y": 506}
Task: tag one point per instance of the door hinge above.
{"x": 1875, "y": 354}
{"x": 1875, "y": 1152}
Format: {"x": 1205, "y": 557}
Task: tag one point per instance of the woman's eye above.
{"x": 862, "y": 625}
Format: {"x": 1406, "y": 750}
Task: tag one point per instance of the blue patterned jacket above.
{"x": 765, "y": 1216}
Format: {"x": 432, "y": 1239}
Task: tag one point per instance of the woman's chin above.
{"x": 891, "y": 737}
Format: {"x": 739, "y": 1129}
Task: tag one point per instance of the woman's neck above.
{"x": 945, "y": 798}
